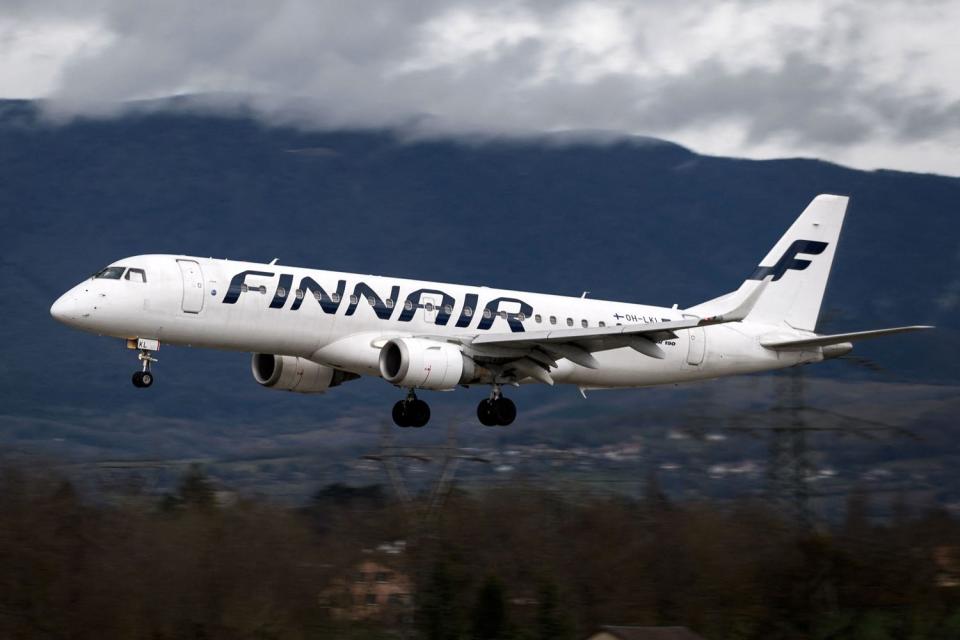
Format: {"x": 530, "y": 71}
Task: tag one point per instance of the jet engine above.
{"x": 426, "y": 364}
{"x": 289, "y": 373}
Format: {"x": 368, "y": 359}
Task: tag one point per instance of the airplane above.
{"x": 311, "y": 330}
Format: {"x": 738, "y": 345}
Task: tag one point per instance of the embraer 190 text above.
{"x": 310, "y": 330}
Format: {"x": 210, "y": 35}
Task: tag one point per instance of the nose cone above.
{"x": 66, "y": 308}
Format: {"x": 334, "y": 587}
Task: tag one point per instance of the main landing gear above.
{"x": 411, "y": 412}
{"x": 144, "y": 378}
{"x": 497, "y": 410}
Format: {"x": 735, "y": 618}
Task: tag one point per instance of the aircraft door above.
{"x": 696, "y": 346}
{"x": 192, "y": 286}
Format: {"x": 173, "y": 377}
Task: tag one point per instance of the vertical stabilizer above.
{"x": 799, "y": 265}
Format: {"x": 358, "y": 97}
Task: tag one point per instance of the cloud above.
{"x": 871, "y": 84}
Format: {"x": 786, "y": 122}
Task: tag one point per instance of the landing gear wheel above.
{"x": 400, "y": 416}
{"x": 142, "y": 379}
{"x": 485, "y": 413}
{"x": 418, "y": 412}
{"x": 504, "y": 411}
{"x": 497, "y": 411}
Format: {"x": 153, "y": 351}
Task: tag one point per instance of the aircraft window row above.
{"x": 334, "y": 297}
{"x": 245, "y": 288}
{"x": 553, "y": 320}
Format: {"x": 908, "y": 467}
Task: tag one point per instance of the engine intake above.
{"x": 289, "y": 373}
{"x": 426, "y": 364}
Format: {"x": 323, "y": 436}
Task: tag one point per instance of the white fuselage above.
{"x": 281, "y": 310}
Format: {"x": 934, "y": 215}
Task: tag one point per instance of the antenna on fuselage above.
{"x": 274, "y": 261}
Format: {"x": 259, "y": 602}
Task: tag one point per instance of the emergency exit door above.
{"x": 192, "y": 286}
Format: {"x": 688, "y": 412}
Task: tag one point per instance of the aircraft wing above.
{"x": 532, "y": 354}
{"x": 592, "y": 339}
{"x": 641, "y": 337}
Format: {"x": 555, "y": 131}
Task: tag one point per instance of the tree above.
{"x": 490, "y": 612}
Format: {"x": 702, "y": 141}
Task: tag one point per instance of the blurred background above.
{"x": 649, "y": 152}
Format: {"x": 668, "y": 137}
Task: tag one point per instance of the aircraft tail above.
{"x": 795, "y": 270}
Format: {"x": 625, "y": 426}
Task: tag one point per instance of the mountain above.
{"x": 629, "y": 218}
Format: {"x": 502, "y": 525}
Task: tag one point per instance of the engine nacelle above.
{"x": 290, "y": 373}
{"x": 426, "y": 364}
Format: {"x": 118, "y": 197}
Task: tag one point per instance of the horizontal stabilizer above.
{"x": 777, "y": 342}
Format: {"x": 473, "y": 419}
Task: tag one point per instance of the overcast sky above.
{"x": 868, "y": 84}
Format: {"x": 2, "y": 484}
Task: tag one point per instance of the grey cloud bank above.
{"x": 862, "y": 84}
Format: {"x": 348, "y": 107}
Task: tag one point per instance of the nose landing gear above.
{"x": 496, "y": 410}
{"x": 144, "y": 378}
{"x": 411, "y": 412}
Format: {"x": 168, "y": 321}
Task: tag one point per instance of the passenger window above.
{"x": 468, "y": 311}
{"x": 584, "y": 324}
{"x": 299, "y": 294}
{"x": 447, "y": 309}
{"x": 569, "y": 322}
{"x": 428, "y": 307}
{"x": 503, "y": 314}
{"x": 521, "y": 317}
{"x": 487, "y": 314}
{"x": 281, "y": 292}
{"x": 408, "y": 305}
{"x": 136, "y": 275}
{"x": 602, "y": 323}
{"x": 354, "y": 299}
{"x": 335, "y": 297}
{"x": 389, "y": 303}
{"x": 538, "y": 318}
{"x": 553, "y": 319}
{"x": 372, "y": 301}
{"x": 110, "y": 273}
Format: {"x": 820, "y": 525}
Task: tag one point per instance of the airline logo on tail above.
{"x": 790, "y": 261}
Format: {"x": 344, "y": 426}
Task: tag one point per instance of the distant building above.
{"x": 374, "y": 591}
{"x": 643, "y": 633}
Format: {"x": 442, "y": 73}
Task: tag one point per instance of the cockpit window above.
{"x": 136, "y": 275}
{"x": 110, "y": 273}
